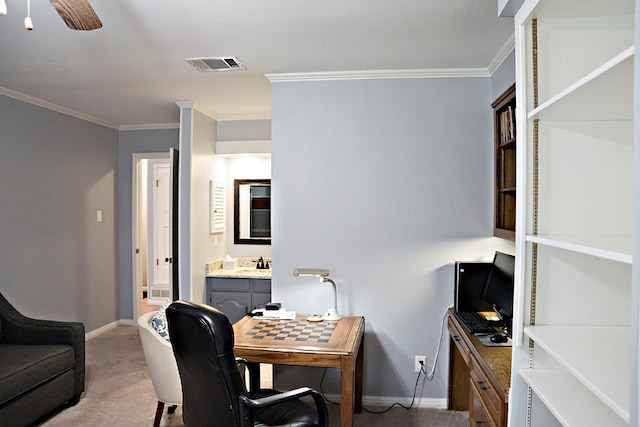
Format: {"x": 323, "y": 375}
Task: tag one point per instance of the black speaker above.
{"x": 470, "y": 278}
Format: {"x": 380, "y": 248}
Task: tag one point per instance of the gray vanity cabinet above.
{"x": 235, "y": 297}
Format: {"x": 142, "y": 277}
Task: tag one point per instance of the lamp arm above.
{"x": 335, "y": 291}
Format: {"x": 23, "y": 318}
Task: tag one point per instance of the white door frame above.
{"x": 138, "y": 263}
{"x": 159, "y": 249}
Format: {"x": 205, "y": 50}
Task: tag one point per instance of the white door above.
{"x": 160, "y": 237}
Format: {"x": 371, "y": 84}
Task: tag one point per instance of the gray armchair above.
{"x": 42, "y": 366}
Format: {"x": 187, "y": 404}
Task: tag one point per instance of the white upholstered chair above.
{"x": 162, "y": 367}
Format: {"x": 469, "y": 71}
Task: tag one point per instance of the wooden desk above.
{"x": 479, "y": 377}
{"x": 331, "y": 344}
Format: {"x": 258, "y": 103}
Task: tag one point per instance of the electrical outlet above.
{"x": 419, "y": 359}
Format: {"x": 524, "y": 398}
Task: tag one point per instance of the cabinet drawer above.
{"x": 262, "y": 285}
{"x": 487, "y": 393}
{"x": 232, "y": 284}
{"x": 456, "y": 336}
{"x": 478, "y": 417}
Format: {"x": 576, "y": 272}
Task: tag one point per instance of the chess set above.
{"x": 298, "y": 330}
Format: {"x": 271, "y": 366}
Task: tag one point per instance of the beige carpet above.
{"x": 119, "y": 392}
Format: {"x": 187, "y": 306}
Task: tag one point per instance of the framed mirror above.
{"x": 252, "y": 211}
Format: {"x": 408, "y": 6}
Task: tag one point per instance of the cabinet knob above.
{"x": 482, "y": 386}
{"x": 169, "y": 260}
{"x": 456, "y": 338}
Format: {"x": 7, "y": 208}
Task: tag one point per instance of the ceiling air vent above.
{"x": 216, "y": 64}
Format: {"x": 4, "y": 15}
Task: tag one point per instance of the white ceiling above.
{"x": 133, "y": 70}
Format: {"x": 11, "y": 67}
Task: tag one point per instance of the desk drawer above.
{"x": 478, "y": 416}
{"x": 230, "y": 284}
{"x": 487, "y": 394}
{"x": 458, "y": 339}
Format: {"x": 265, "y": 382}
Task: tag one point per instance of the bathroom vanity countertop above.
{"x": 241, "y": 273}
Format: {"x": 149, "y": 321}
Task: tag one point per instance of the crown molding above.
{"x": 378, "y": 74}
{"x": 86, "y": 117}
{"x": 504, "y": 52}
{"x": 53, "y": 107}
{"x": 198, "y": 107}
{"x": 157, "y": 126}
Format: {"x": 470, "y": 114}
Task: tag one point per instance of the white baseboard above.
{"x": 106, "y": 328}
{"x": 127, "y": 322}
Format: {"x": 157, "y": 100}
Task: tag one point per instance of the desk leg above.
{"x": 359, "y": 376}
{"x": 347, "y": 395}
{"x": 254, "y": 376}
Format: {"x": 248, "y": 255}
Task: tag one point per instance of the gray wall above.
{"x": 385, "y": 183}
{"x": 56, "y": 171}
{"x": 244, "y": 130}
{"x": 504, "y": 76}
{"x": 130, "y": 142}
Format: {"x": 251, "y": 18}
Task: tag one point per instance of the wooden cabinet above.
{"x": 235, "y": 297}
{"x": 504, "y": 109}
{"x": 575, "y": 329}
{"x": 479, "y": 377}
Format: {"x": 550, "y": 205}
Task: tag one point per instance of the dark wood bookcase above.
{"x": 504, "y": 114}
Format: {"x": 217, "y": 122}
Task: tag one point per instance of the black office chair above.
{"x": 213, "y": 391}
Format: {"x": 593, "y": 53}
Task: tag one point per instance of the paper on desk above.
{"x": 274, "y": 314}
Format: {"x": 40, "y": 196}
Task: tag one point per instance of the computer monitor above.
{"x": 498, "y": 289}
{"x": 469, "y": 281}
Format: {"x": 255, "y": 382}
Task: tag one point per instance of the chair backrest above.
{"x": 202, "y": 339}
{"x": 161, "y": 362}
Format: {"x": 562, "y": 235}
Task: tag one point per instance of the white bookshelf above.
{"x": 575, "y": 336}
{"x": 583, "y": 408}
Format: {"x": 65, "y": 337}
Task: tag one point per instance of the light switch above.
{"x": 99, "y": 216}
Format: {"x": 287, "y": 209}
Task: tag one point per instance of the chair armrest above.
{"x": 263, "y": 402}
{"x": 254, "y": 373}
{"x": 19, "y": 329}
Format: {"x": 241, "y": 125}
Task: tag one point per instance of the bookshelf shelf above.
{"x": 552, "y": 385}
{"x": 596, "y": 96}
{"x": 614, "y": 248}
{"x": 597, "y": 368}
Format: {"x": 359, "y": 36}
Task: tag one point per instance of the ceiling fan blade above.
{"x": 77, "y": 14}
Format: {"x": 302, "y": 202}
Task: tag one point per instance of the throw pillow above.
{"x": 159, "y": 321}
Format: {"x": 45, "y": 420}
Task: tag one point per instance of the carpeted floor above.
{"x": 119, "y": 392}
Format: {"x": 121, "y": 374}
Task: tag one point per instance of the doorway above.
{"x": 151, "y": 240}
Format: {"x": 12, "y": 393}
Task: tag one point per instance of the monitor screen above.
{"x": 469, "y": 281}
{"x": 498, "y": 290}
